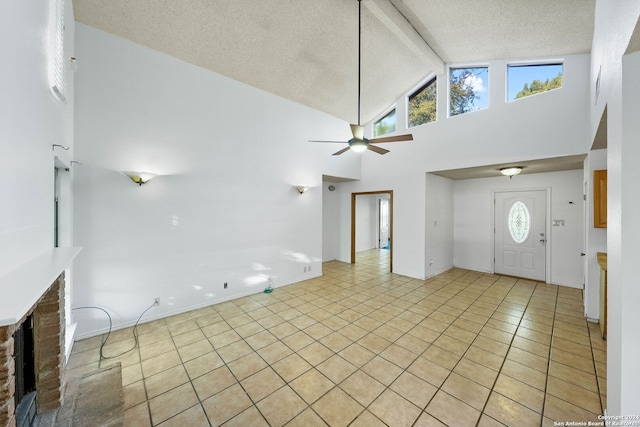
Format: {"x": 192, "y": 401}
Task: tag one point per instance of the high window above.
{"x": 386, "y": 124}
{"x": 422, "y": 104}
{"x": 468, "y": 89}
{"x": 526, "y": 80}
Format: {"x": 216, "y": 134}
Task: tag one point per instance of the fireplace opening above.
{"x": 25, "y": 374}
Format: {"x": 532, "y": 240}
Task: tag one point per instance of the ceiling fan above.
{"x": 359, "y": 143}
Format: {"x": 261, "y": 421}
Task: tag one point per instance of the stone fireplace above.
{"x": 48, "y": 344}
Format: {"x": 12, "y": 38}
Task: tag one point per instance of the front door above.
{"x": 520, "y": 234}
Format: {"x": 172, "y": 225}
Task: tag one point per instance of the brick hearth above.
{"x": 48, "y": 317}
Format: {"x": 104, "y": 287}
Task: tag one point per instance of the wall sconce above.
{"x": 140, "y": 177}
{"x": 511, "y": 171}
{"x": 302, "y": 188}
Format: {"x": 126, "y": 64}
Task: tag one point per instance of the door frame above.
{"x": 547, "y": 226}
{"x": 353, "y": 223}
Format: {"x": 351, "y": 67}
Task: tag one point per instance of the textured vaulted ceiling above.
{"x": 306, "y": 50}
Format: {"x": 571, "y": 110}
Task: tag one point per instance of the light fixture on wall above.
{"x": 140, "y": 177}
{"x": 511, "y": 171}
{"x": 302, "y": 188}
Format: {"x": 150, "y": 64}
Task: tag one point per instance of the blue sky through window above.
{"x": 518, "y": 75}
{"x": 479, "y": 81}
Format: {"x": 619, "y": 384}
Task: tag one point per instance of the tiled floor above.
{"x": 362, "y": 347}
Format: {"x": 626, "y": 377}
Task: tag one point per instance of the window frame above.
{"x": 467, "y": 66}
{"x": 529, "y": 63}
{"x": 426, "y": 82}
{"x": 382, "y": 116}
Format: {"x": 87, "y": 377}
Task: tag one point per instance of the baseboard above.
{"x": 164, "y": 314}
{"x": 69, "y": 339}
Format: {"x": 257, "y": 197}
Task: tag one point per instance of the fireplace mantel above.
{"x": 21, "y": 288}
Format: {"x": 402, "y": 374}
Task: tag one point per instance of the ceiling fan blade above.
{"x": 330, "y": 142}
{"x": 357, "y": 131}
{"x": 337, "y": 153}
{"x": 396, "y": 138}
{"x": 377, "y": 149}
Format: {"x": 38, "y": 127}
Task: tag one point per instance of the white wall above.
{"x": 616, "y": 21}
{"x": 330, "y": 221}
{"x": 31, "y": 121}
{"x": 474, "y": 223}
{"x": 439, "y": 225}
{"x": 596, "y": 238}
{"x": 547, "y": 125}
{"x": 224, "y": 208}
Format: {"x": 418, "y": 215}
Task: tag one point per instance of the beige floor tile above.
{"x": 281, "y": 406}
{"x": 194, "y": 350}
{"x": 156, "y": 348}
{"x": 298, "y": 340}
{"x": 524, "y": 374}
{"x": 452, "y": 345}
{"x": 560, "y": 410}
{"x": 262, "y": 384}
{"x": 466, "y": 390}
{"x": 528, "y": 359}
{"x": 574, "y": 394}
{"x": 274, "y": 352}
{"x": 188, "y": 338}
{"x": 336, "y": 368}
{"x": 249, "y": 329}
{"x": 307, "y": 418}
{"x": 382, "y": 370}
{"x": 583, "y": 363}
{"x": 360, "y": 322}
{"x": 315, "y": 353}
{"x": 487, "y": 421}
{"x": 160, "y": 363}
{"x": 362, "y": 387}
{"x": 414, "y": 389}
{"x": 311, "y": 385}
{"x": 291, "y": 367}
{"x": 247, "y": 365}
{"x": 394, "y": 410}
{"x": 476, "y": 372}
{"x": 427, "y": 420}
{"x": 441, "y": 356}
{"x": 452, "y": 411}
{"x": 492, "y": 346}
{"x": 131, "y": 374}
{"x": 165, "y": 380}
{"x": 203, "y": 364}
{"x": 227, "y": 404}
{"x": 399, "y": 356}
{"x": 193, "y": 416}
{"x": 138, "y": 416}
{"x": 429, "y": 371}
{"x": 534, "y": 347}
{"x": 168, "y": 404}
{"x": 134, "y": 394}
{"x": 337, "y": 408}
{"x": 367, "y": 419}
{"x": 213, "y": 382}
{"x": 234, "y": 351}
{"x": 260, "y": 340}
{"x": 520, "y": 392}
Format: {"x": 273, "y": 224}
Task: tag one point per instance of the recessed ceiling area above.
{"x": 554, "y": 164}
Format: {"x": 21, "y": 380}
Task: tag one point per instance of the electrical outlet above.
{"x": 156, "y": 301}
{"x": 225, "y": 285}
{"x": 309, "y": 268}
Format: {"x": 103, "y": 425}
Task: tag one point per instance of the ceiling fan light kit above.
{"x": 359, "y": 143}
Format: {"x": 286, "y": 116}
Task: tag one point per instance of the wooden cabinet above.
{"x": 602, "y": 260}
{"x": 600, "y": 199}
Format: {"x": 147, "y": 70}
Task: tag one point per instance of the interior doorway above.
{"x": 389, "y": 230}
